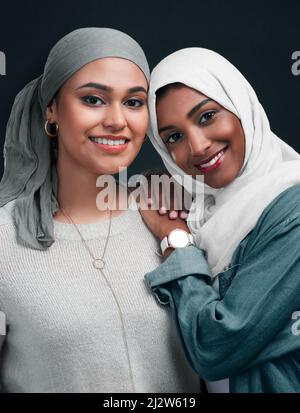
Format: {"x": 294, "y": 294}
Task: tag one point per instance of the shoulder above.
{"x": 280, "y": 222}
{"x": 6, "y": 213}
{"x": 277, "y": 231}
{"x": 288, "y": 200}
{"x": 285, "y": 208}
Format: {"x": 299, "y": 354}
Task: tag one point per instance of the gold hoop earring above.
{"x": 51, "y": 135}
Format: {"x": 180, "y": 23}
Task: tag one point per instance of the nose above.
{"x": 198, "y": 143}
{"x": 114, "y": 118}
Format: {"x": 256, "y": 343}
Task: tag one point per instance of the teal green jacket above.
{"x": 249, "y": 331}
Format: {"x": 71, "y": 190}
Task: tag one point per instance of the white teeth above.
{"x": 212, "y": 161}
{"x": 108, "y": 141}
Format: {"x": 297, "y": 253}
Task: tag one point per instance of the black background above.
{"x": 257, "y": 37}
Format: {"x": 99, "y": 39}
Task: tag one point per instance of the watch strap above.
{"x": 164, "y": 244}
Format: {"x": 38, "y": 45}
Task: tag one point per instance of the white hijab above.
{"x": 270, "y": 165}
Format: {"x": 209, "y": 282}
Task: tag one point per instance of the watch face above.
{"x": 178, "y": 238}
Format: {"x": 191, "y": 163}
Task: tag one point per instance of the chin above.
{"x": 215, "y": 186}
{"x": 219, "y": 183}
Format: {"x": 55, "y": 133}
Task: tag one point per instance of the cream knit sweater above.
{"x": 63, "y": 331}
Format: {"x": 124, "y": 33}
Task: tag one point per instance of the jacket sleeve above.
{"x": 2, "y": 334}
{"x": 223, "y": 336}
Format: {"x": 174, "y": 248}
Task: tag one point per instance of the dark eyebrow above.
{"x": 191, "y": 112}
{"x": 137, "y": 89}
{"x": 166, "y": 128}
{"x": 110, "y": 89}
{"x": 96, "y": 86}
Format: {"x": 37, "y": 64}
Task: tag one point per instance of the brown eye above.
{"x": 93, "y": 100}
{"x": 205, "y": 117}
{"x": 174, "y": 137}
{"x": 134, "y": 103}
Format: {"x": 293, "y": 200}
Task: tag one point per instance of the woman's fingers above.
{"x": 173, "y": 214}
{"x": 149, "y": 202}
{"x": 183, "y": 214}
{"x": 162, "y": 211}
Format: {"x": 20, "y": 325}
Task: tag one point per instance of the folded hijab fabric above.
{"x": 30, "y": 176}
{"x": 270, "y": 166}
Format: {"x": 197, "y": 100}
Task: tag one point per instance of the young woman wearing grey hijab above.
{"x": 76, "y": 315}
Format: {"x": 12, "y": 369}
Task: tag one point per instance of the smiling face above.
{"x": 102, "y": 116}
{"x": 201, "y": 136}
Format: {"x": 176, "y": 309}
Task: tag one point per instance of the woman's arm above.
{"x": 222, "y": 337}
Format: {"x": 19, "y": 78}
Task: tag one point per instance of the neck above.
{"x": 78, "y": 193}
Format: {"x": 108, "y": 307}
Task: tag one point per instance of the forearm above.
{"x": 221, "y": 336}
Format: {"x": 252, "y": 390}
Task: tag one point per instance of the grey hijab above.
{"x": 30, "y": 175}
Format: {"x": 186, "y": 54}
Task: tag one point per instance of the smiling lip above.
{"x": 215, "y": 164}
{"x": 109, "y": 148}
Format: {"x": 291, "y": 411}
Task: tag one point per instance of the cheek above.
{"x": 138, "y": 123}
{"x": 180, "y": 156}
{"x": 173, "y": 156}
{"x": 238, "y": 143}
{"x": 77, "y": 118}
{"x": 226, "y": 128}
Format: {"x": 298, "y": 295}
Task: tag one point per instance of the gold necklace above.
{"x": 99, "y": 264}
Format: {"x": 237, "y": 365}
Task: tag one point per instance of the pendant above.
{"x": 98, "y": 263}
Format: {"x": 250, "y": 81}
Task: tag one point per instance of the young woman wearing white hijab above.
{"x": 75, "y": 313}
{"x": 235, "y": 298}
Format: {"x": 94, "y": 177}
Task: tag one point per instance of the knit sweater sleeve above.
{"x": 4, "y": 220}
{"x": 223, "y": 335}
{"x": 2, "y": 335}
{"x": 2, "y": 328}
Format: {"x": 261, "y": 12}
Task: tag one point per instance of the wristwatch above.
{"x": 178, "y": 238}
